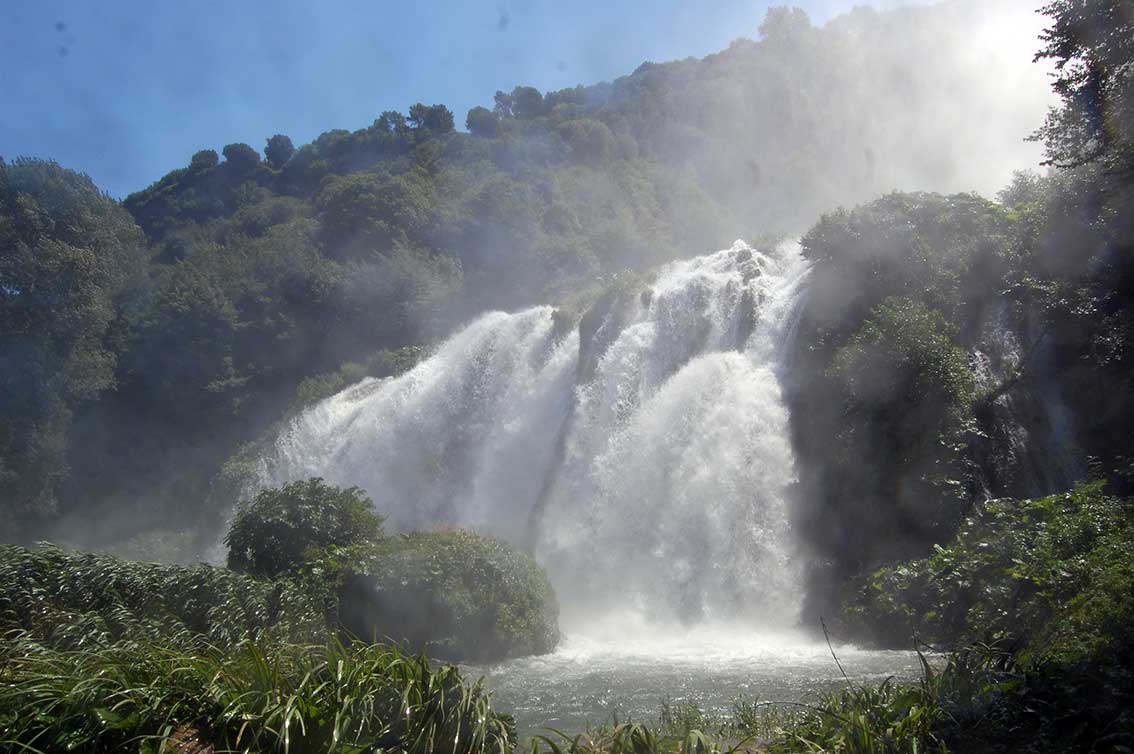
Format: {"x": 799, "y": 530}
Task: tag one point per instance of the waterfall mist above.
{"x": 656, "y": 480}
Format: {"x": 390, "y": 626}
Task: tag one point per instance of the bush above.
{"x": 281, "y": 529}
{"x": 1054, "y": 575}
{"x": 905, "y": 362}
{"x": 906, "y": 396}
{"x": 456, "y": 595}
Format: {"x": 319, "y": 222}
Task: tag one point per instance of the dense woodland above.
{"x": 961, "y": 388}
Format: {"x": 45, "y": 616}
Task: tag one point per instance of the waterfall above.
{"x": 1031, "y": 449}
{"x": 655, "y": 477}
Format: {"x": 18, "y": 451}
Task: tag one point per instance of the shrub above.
{"x": 281, "y": 529}
{"x": 1055, "y": 575}
{"x": 904, "y": 361}
{"x": 456, "y": 595}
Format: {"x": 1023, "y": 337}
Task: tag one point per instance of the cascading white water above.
{"x": 660, "y": 482}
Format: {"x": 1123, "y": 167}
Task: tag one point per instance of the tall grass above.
{"x": 252, "y": 697}
{"x": 70, "y": 599}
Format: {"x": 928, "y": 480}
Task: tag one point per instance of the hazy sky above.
{"x": 128, "y": 90}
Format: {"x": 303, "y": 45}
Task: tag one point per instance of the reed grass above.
{"x": 252, "y": 697}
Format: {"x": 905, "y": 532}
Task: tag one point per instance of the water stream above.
{"x": 626, "y": 669}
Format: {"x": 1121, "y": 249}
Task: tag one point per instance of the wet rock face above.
{"x": 1028, "y": 447}
{"x": 601, "y": 325}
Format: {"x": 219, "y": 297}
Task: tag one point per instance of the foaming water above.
{"x": 657, "y": 481}
{"x": 455, "y": 440}
{"x": 628, "y": 668}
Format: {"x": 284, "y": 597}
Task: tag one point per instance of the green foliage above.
{"x": 455, "y": 594}
{"x": 624, "y": 738}
{"x": 281, "y": 529}
{"x": 590, "y": 140}
{"x": 204, "y": 160}
{"x": 279, "y": 150}
{"x": 436, "y": 119}
{"x": 252, "y": 697}
{"x": 904, "y": 364}
{"x": 942, "y": 250}
{"x": 1054, "y": 575}
{"x": 72, "y": 600}
{"x": 380, "y": 364}
{"x": 890, "y": 718}
{"x": 241, "y": 157}
{"x": 678, "y": 720}
{"x": 903, "y": 398}
{"x": 523, "y": 102}
{"x": 370, "y": 211}
{"x": 390, "y": 124}
{"x": 1090, "y": 44}
{"x": 482, "y": 122}
{"x": 70, "y": 264}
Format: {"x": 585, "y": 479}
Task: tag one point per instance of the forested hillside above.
{"x": 189, "y": 315}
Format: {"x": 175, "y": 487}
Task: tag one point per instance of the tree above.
{"x": 281, "y": 528}
{"x": 1092, "y": 45}
{"x": 204, "y": 160}
{"x": 366, "y": 211}
{"x": 241, "y": 157}
{"x": 434, "y": 118}
{"x": 590, "y": 140}
{"x": 527, "y": 102}
{"x": 784, "y": 26}
{"x": 70, "y": 262}
{"x": 279, "y": 150}
{"x": 503, "y": 104}
{"x": 391, "y": 122}
{"x": 482, "y": 122}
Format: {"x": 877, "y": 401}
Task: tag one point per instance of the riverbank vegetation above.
{"x": 169, "y": 695}
{"x": 308, "y": 562}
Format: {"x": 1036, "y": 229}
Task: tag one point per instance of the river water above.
{"x": 609, "y": 672}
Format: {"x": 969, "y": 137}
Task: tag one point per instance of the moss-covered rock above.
{"x": 456, "y": 595}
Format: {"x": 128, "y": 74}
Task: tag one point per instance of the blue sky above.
{"x": 127, "y": 90}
